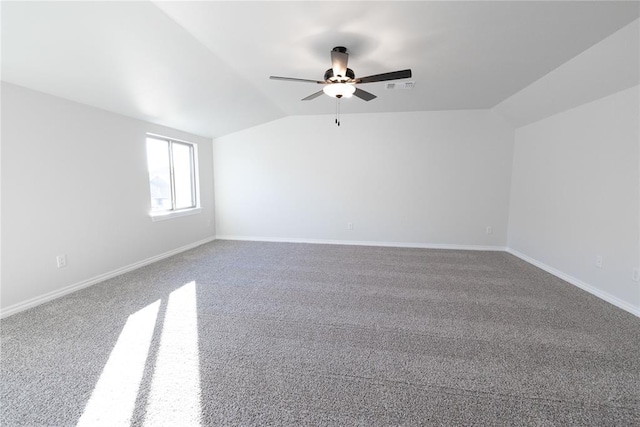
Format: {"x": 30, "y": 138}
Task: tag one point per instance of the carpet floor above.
{"x": 249, "y": 333}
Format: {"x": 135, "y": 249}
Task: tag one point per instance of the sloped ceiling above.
{"x": 203, "y": 67}
{"x": 609, "y": 66}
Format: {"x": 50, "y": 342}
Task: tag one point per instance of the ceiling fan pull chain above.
{"x": 338, "y": 102}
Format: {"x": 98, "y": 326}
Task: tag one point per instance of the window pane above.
{"x": 159, "y": 174}
{"x": 183, "y": 175}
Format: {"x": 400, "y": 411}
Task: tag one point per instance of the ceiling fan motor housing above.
{"x": 330, "y": 78}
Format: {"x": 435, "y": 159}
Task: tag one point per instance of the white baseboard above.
{"x": 567, "y": 278}
{"x": 579, "y": 283}
{"x": 16, "y": 308}
{"x": 364, "y": 243}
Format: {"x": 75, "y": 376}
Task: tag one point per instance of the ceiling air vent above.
{"x": 403, "y": 85}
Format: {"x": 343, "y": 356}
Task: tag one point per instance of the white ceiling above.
{"x": 203, "y": 67}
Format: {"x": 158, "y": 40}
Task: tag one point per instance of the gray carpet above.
{"x": 246, "y": 333}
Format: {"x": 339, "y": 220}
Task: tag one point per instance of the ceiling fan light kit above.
{"x": 339, "y": 90}
{"x": 339, "y": 80}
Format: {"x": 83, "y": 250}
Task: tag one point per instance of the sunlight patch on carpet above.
{"x": 174, "y": 399}
{"x": 113, "y": 399}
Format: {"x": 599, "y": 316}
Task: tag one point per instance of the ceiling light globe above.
{"x": 339, "y": 90}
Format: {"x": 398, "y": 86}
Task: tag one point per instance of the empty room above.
{"x": 320, "y": 213}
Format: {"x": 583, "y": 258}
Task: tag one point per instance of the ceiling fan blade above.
{"x": 339, "y": 60}
{"x": 394, "y": 75}
{"x": 363, "y": 94}
{"x": 313, "y": 96}
{"x": 293, "y": 79}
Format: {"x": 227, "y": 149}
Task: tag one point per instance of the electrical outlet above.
{"x": 61, "y": 260}
{"x": 349, "y": 226}
{"x": 489, "y": 229}
{"x": 635, "y": 276}
{"x": 599, "y": 261}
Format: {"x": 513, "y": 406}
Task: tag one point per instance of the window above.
{"x": 172, "y": 176}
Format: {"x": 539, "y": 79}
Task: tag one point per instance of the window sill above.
{"x": 174, "y": 214}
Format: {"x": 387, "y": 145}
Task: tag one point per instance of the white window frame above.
{"x": 173, "y": 212}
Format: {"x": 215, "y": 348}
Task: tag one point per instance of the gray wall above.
{"x": 575, "y": 194}
{"x": 75, "y": 182}
{"x": 425, "y": 178}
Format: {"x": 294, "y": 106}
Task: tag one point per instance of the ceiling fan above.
{"x": 340, "y": 81}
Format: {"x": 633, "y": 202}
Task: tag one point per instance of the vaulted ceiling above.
{"x": 203, "y": 67}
